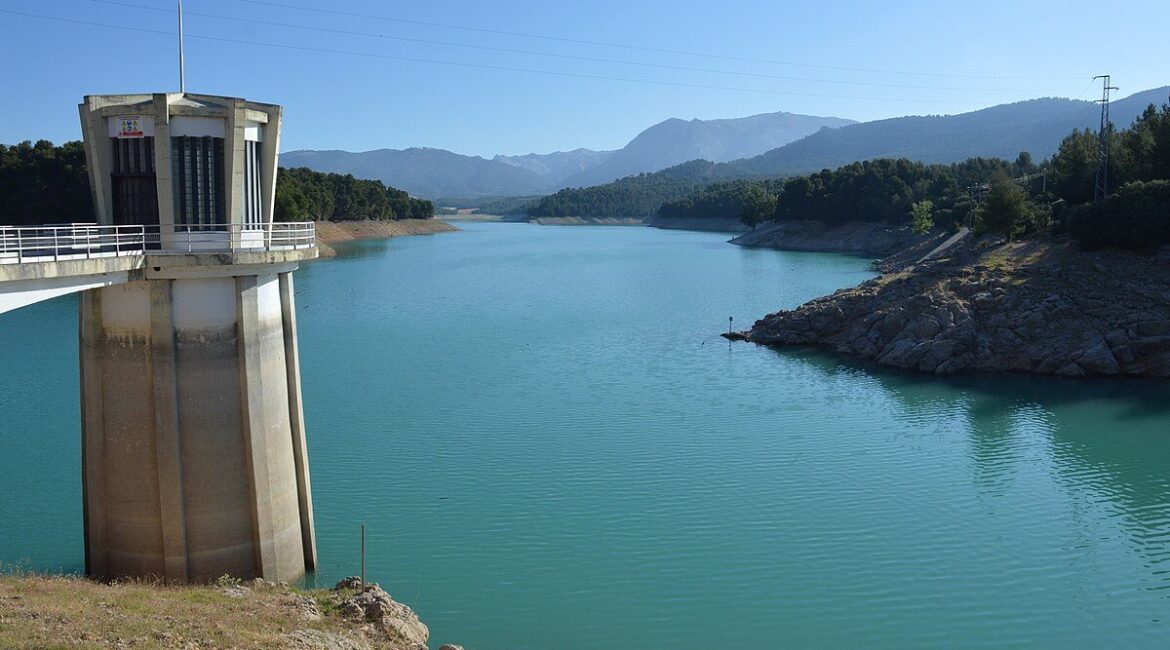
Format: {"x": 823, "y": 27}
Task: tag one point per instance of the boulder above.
{"x": 396, "y": 620}
{"x": 1099, "y": 360}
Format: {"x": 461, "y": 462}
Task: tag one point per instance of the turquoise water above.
{"x": 551, "y": 449}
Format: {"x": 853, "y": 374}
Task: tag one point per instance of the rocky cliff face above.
{"x": 1038, "y": 307}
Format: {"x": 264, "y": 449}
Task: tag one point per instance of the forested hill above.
{"x": 42, "y": 183}
{"x": 632, "y": 196}
{"x": 305, "y": 195}
{"x": 45, "y": 183}
{"x": 1035, "y": 126}
{"x": 1018, "y": 198}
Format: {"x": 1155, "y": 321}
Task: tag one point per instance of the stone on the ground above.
{"x": 236, "y": 591}
{"x": 350, "y": 582}
{"x": 320, "y": 640}
{"x": 394, "y": 619}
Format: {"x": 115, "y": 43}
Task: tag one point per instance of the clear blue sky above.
{"x": 853, "y": 57}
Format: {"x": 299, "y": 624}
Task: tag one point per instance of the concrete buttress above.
{"x": 194, "y": 459}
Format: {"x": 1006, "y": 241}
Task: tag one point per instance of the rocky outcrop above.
{"x": 1038, "y": 307}
{"x": 857, "y": 237}
{"x": 373, "y": 605}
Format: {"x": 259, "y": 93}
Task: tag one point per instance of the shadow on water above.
{"x": 359, "y": 248}
{"x": 1073, "y": 421}
{"x": 1138, "y": 398}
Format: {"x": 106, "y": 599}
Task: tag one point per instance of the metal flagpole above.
{"x": 182, "y": 74}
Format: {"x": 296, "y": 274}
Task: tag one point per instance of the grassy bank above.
{"x": 58, "y": 612}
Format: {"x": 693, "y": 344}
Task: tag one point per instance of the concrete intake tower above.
{"x": 194, "y": 462}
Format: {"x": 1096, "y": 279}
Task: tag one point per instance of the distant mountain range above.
{"x": 676, "y": 141}
{"x": 559, "y": 165}
{"x": 771, "y": 144}
{"x": 1036, "y": 126}
{"x": 434, "y": 173}
{"x": 426, "y": 173}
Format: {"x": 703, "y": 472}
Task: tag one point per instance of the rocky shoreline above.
{"x": 1038, "y": 307}
{"x": 336, "y": 232}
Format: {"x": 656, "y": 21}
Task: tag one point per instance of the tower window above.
{"x": 253, "y": 214}
{"x": 197, "y": 170}
{"x": 132, "y": 181}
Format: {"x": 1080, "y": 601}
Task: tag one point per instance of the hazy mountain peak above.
{"x": 430, "y": 172}
{"x": 675, "y": 141}
{"x": 772, "y": 144}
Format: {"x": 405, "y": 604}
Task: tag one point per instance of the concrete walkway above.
{"x": 946, "y": 245}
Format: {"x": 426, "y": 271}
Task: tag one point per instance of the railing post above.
{"x": 56, "y": 246}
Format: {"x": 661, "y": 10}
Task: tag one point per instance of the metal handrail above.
{"x": 86, "y": 240}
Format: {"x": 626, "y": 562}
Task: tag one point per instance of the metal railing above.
{"x": 80, "y": 241}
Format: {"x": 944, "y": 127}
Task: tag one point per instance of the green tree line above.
{"x": 1136, "y": 215}
{"x": 45, "y": 183}
{"x": 305, "y": 195}
{"x": 42, "y": 183}
{"x": 990, "y": 195}
{"x": 876, "y": 190}
{"x": 633, "y": 196}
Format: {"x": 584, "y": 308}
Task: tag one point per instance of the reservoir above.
{"x": 551, "y": 447}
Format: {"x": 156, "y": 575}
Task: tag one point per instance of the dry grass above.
{"x": 71, "y": 612}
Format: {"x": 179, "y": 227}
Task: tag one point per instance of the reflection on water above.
{"x": 1106, "y": 442}
{"x": 552, "y": 448}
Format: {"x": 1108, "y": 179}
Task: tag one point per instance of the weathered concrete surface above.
{"x": 297, "y": 420}
{"x": 189, "y": 466}
{"x": 205, "y": 262}
{"x": 31, "y": 282}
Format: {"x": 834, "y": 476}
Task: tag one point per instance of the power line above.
{"x": 641, "y": 48}
{"x": 662, "y": 66}
{"x": 482, "y": 66}
{"x": 1101, "y": 182}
